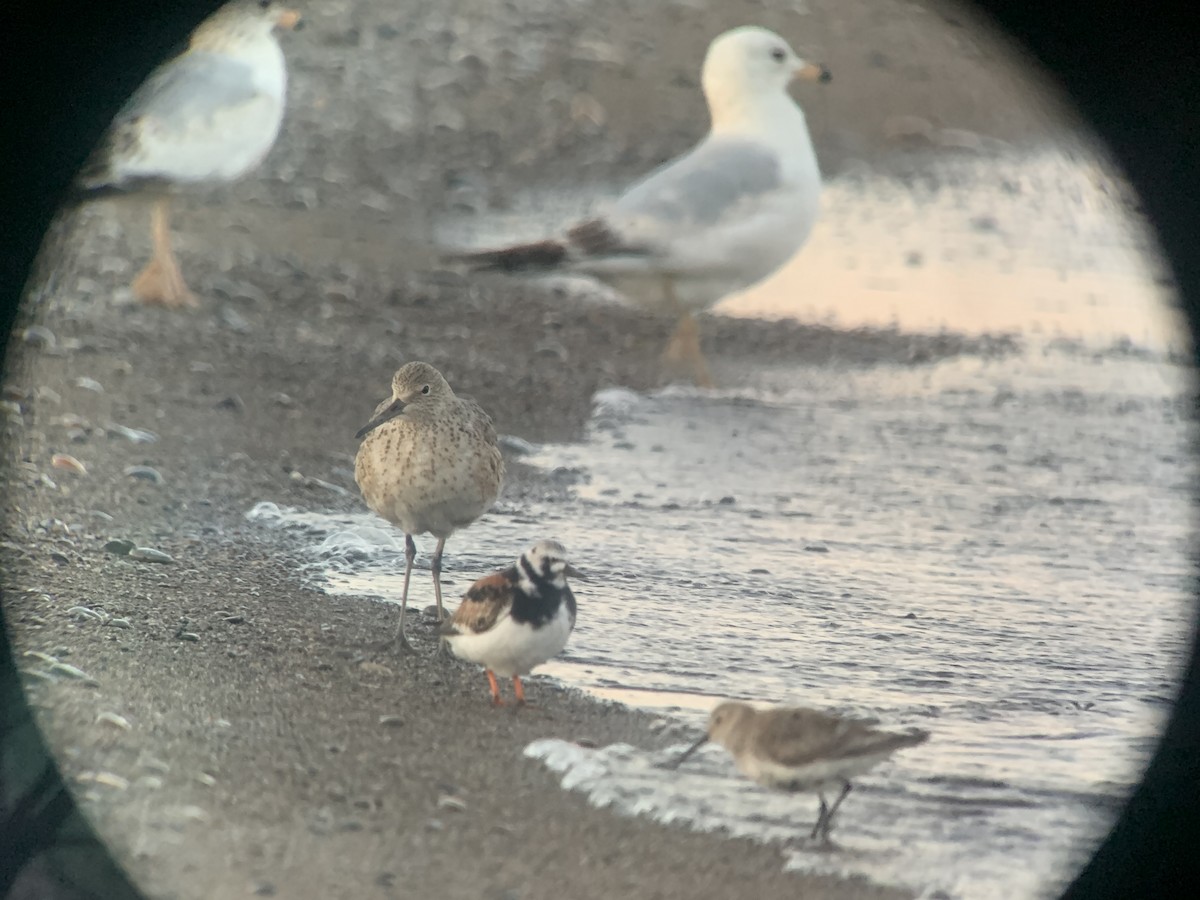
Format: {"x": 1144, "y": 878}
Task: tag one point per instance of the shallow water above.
{"x": 994, "y": 550}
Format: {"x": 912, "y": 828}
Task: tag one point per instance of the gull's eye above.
{"x": 778, "y": 55}
{"x": 425, "y": 389}
{"x": 263, "y": 4}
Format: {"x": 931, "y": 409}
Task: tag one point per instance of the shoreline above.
{"x": 240, "y": 715}
{"x": 237, "y": 732}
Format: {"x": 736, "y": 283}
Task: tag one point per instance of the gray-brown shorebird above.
{"x": 428, "y": 462}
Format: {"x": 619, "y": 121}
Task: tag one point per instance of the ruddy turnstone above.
{"x": 428, "y": 462}
{"x": 516, "y": 619}
{"x": 209, "y": 115}
{"x": 798, "y": 749}
{"x": 718, "y": 219}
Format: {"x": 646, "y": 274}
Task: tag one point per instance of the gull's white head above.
{"x": 244, "y": 20}
{"x": 750, "y": 66}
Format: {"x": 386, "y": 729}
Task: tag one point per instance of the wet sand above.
{"x": 272, "y": 748}
{"x": 255, "y": 753}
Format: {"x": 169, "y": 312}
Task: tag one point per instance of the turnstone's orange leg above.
{"x": 161, "y": 282}
{"x": 497, "y": 700}
{"x": 519, "y": 689}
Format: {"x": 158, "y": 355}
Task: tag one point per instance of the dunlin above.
{"x": 798, "y": 749}
{"x": 716, "y": 220}
{"x": 516, "y": 619}
{"x": 210, "y": 115}
{"x": 428, "y": 462}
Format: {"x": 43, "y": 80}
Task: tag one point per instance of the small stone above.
{"x": 454, "y": 804}
{"x": 39, "y": 336}
{"x": 727, "y": 500}
{"x": 67, "y": 463}
{"x": 112, "y": 718}
{"x": 232, "y": 402}
{"x": 119, "y": 547}
{"x": 816, "y": 548}
{"x": 84, "y": 613}
{"x": 89, "y": 384}
{"x": 235, "y": 619}
{"x": 69, "y": 671}
{"x": 391, "y": 721}
{"x": 234, "y": 320}
{"x": 145, "y": 473}
{"x": 515, "y": 445}
{"x": 149, "y": 554}
{"x": 133, "y": 435}
{"x": 188, "y": 636}
{"x": 263, "y": 889}
{"x": 108, "y": 779}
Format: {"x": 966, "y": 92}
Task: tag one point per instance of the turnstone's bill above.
{"x": 428, "y": 462}
{"x": 209, "y": 115}
{"x": 516, "y": 619}
{"x": 716, "y": 220}
{"x": 798, "y": 749}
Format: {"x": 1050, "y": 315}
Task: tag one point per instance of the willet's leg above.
{"x": 161, "y": 282}
{"x": 443, "y": 649}
{"x": 497, "y": 700}
{"x": 683, "y": 347}
{"x": 410, "y": 553}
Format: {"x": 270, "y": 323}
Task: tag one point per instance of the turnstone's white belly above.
{"x": 514, "y": 648}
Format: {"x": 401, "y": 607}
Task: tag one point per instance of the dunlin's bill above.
{"x": 516, "y": 619}
{"x": 210, "y": 115}
{"x": 798, "y": 749}
{"x": 428, "y": 462}
{"x": 716, "y": 220}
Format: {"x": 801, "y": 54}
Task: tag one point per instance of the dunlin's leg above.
{"x": 519, "y": 689}
{"x": 443, "y": 649}
{"x": 822, "y": 813}
{"x": 410, "y": 553}
{"x": 683, "y": 347}
{"x": 834, "y": 808}
{"x": 825, "y": 822}
{"x": 161, "y": 282}
{"x": 497, "y": 700}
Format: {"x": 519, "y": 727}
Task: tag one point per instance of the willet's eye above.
{"x": 425, "y": 389}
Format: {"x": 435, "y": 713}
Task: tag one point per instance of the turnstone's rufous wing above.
{"x": 483, "y": 604}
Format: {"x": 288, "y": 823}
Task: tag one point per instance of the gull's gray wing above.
{"x": 191, "y": 87}
{"x": 720, "y": 177}
{"x": 187, "y": 94}
{"x": 698, "y": 189}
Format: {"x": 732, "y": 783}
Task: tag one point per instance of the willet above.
{"x": 429, "y": 462}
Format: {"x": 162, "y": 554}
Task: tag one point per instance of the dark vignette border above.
{"x": 1132, "y": 69}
